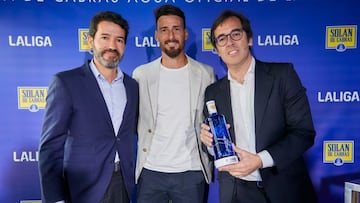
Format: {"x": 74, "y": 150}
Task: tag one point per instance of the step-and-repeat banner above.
{"x": 41, "y": 37}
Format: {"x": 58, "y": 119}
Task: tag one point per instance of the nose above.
{"x": 112, "y": 44}
{"x": 229, "y": 40}
{"x": 171, "y": 34}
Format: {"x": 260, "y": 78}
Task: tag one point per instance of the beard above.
{"x": 172, "y": 52}
{"x": 111, "y": 62}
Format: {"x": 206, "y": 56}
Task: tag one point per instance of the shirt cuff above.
{"x": 267, "y": 160}
{"x": 62, "y": 201}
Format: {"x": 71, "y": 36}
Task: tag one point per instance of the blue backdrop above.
{"x": 41, "y": 37}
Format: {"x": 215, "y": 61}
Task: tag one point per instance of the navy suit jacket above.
{"x": 283, "y": 127}
{"x": 78, "y": 143}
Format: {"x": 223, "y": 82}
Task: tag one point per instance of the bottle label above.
{"x": 226, "y": 161}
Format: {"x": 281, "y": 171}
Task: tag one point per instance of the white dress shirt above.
{"x": 242, "y": 103}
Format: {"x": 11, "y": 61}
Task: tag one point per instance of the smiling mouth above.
{"x": 111, "y": 55}
{"x": 112, "y": 52}
{"x": 232, "y": 52}
{"x": 172, "y": 44}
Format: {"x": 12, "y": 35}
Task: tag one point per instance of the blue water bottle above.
{"x": 223, "y": 150}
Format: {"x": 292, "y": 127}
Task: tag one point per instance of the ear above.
{"x": 186, "y": 34}
{"x": 90, "y": 41}
{"x": 250, "y": 42}
{"x": 215, "y": 51}
{"x": 156, "y": 37}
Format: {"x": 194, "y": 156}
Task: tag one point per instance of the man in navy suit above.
{"x": 88, "y": 139}
{"x": 269, "y": 117}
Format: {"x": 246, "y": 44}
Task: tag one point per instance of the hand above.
{"x": 248, "y": 163}
{"x": 205, "y": 136}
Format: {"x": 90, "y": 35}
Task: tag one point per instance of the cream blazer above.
{"x": 147, "y": 75}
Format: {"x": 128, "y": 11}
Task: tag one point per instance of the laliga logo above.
{"x": 341, "y": 37}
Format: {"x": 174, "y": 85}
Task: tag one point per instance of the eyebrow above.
{"x": 174, "y": 26}
{"x": 107, "y": 34}
{"x": 236, "y": 29}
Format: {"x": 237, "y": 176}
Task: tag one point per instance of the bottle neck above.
{"x": 211, "y": 107}
{"x": 213, "y": 113}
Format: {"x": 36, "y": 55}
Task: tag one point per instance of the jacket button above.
{"x": 149, "y": 130}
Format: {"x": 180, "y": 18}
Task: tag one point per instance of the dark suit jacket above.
{"x": 78, "y": 143}
{"x": 283, "y": 127}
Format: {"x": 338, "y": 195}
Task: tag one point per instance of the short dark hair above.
{"x": 226, "y": 15}
{"x": 111, "y": 17}
{"x": 168, "y": 9}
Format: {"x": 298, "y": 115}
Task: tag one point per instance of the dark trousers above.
{"x": 249, "y": 192}
{"x": 158, "y": 187}
{"x": 116, "y": 192}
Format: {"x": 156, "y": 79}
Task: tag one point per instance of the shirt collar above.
{"x": 250, "y": 72}
{"x": 97, "y": 74}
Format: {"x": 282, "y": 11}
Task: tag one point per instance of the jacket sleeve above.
{"x": 53, "y": 137}
{"x": 294, "y": 123}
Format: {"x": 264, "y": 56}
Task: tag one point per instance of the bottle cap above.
{"x": 211, "y": 107}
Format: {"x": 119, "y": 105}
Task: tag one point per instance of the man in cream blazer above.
{"x": 147, "y": 76}
{"x": 172, "y": 164}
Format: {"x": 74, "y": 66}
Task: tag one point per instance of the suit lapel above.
{"x": 153, "y": 88}
{"x": 93, "y": 89}
{"x": 195, "y": 85}
{"x": 263, "y": 87}
{"x": 224, "y": 102}
{"x": 129, "y": 100}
